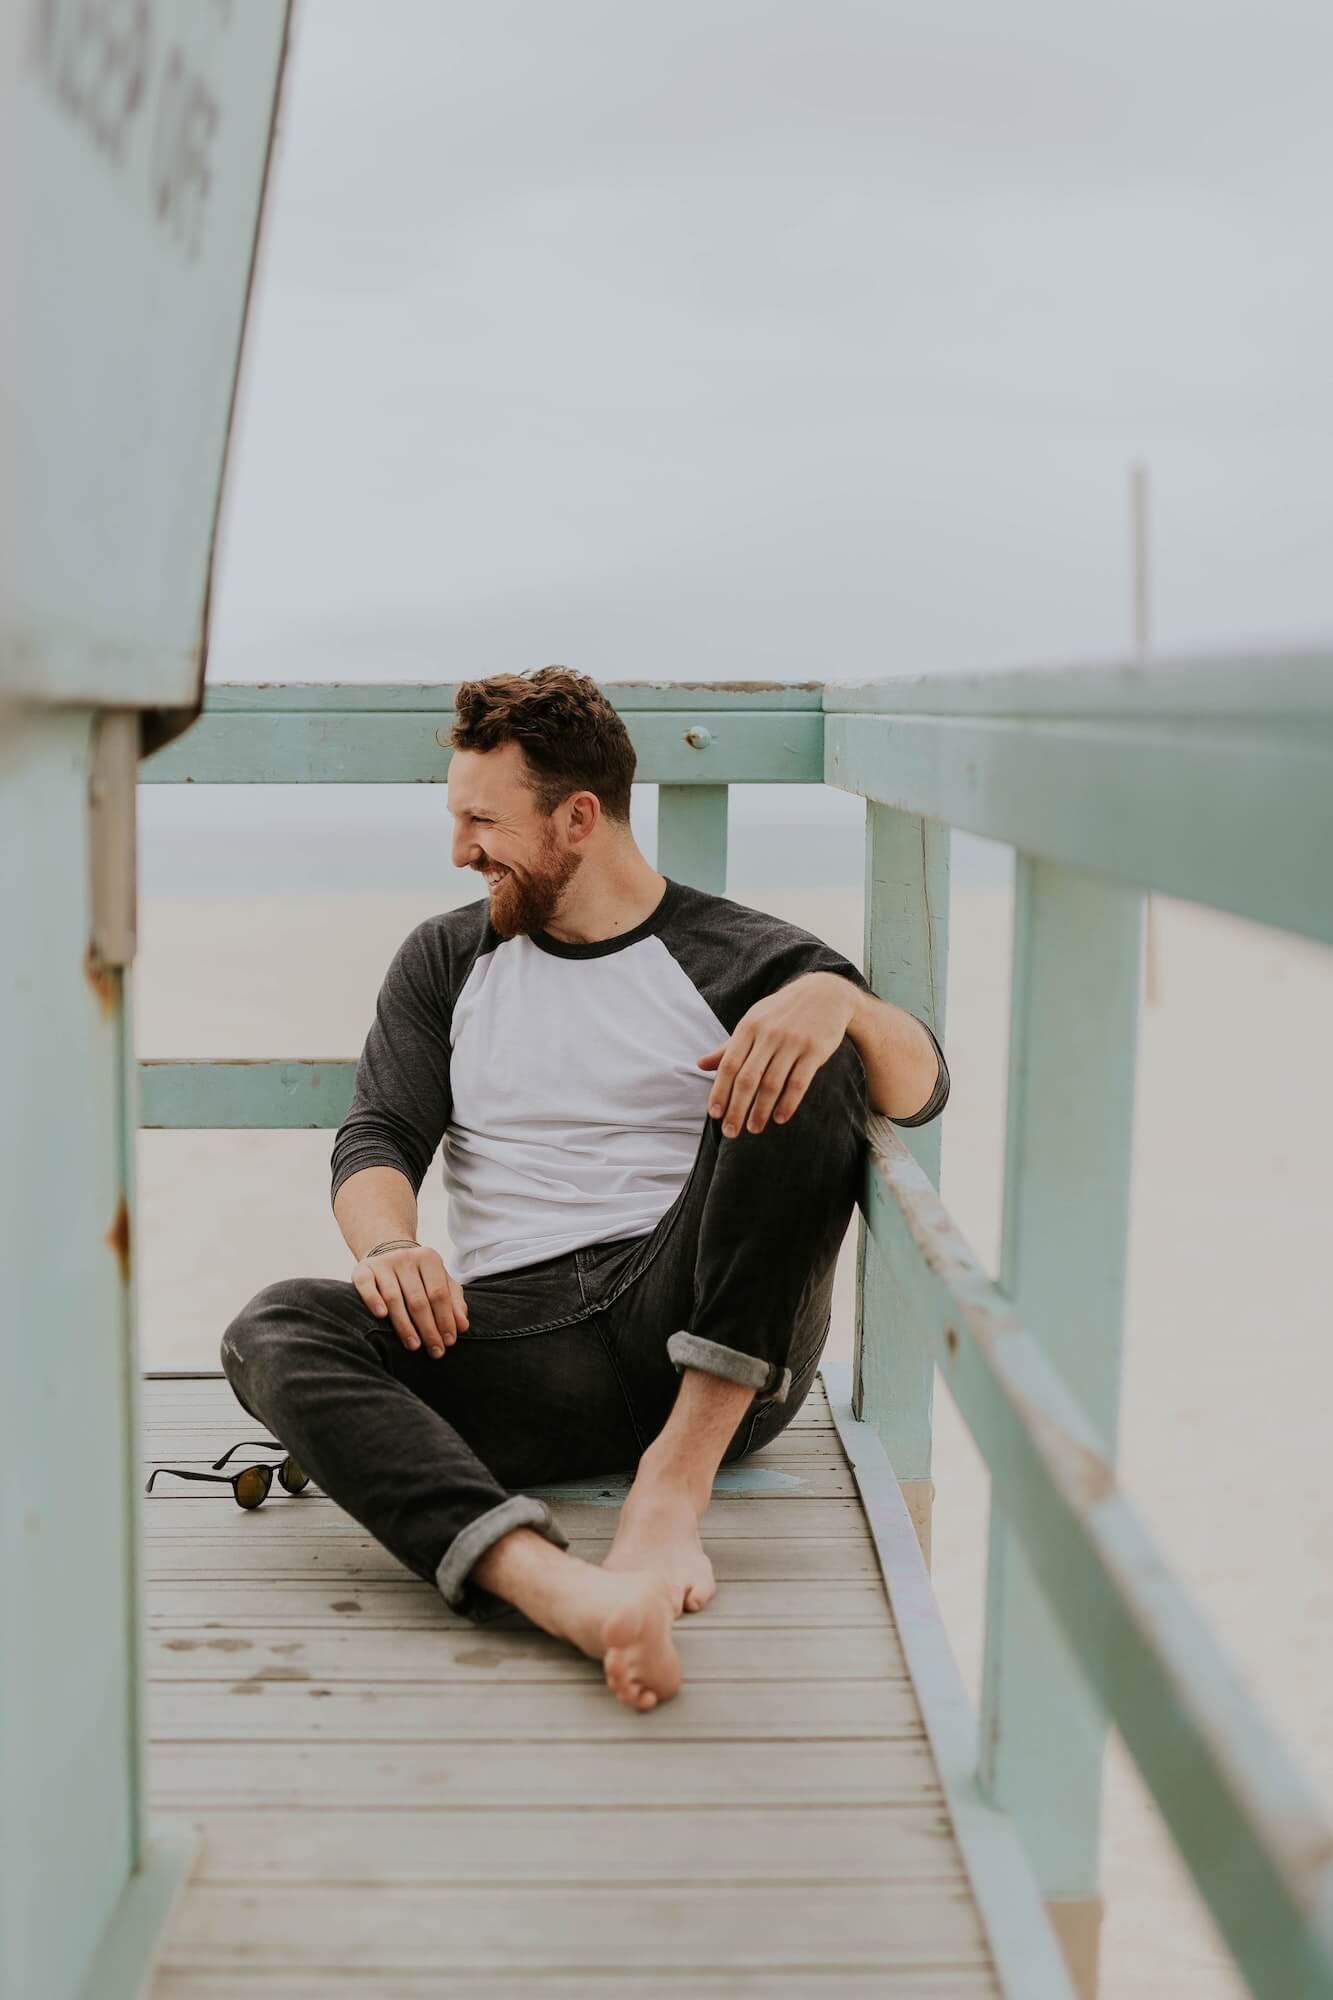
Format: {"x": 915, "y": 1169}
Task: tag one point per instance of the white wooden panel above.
{"x": 141, "y": 137}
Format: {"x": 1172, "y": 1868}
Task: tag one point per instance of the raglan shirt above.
{"x": 562, "y": 1079}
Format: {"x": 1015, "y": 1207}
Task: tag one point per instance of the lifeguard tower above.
{"x": 349, "y": 1791}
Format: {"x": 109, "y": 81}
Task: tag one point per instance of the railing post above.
{"x": 906, "y": 961}
{"x": 1066, "y": 1203}
{"x": 692, "y": 835}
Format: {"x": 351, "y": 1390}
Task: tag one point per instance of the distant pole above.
{"x": 1141, "y": 580}
{"x": 1138, "y": 513}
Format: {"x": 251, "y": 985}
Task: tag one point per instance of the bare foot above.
{"x": 659, "y": 1532}
{"x": 625, "y": 1622}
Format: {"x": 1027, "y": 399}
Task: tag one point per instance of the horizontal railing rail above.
{"x": 399, "y": 735}
{"x": 1210, "y": 780}
{"x": 1207, "y": 780}
{"x": 1248, "y": 1826}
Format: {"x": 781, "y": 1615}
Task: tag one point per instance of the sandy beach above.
{"x": 1229, "y": 1372}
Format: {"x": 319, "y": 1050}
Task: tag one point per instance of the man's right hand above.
{"x": 412, "y": 1288}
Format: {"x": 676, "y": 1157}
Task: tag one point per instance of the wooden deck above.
{"x": 393, "y": 1802}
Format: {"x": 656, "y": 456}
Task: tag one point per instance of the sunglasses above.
{"x": 251, "y": 1487}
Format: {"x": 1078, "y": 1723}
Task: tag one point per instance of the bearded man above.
{"x": 651, "y": 1103}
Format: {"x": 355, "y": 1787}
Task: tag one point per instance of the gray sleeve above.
{"x": 402, "y": 1101}
{"x": 736, "y": 955}
{"x": 939, "y": 1096}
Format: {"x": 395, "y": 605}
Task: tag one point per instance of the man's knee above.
{"x": 838, "y": 1087}
{"x": 254, "y": 1343}
{"x": 831, "y": 1116}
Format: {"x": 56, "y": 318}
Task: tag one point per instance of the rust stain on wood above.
{"x": 103, "y": 982}
{"x": 118, "y": 1239}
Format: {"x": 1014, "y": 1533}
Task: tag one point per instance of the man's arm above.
{"x": 399, "y": 1112}
{"x": 407, "y": 1283}
{"x": 906, "y": 1076}
{"x": 401, "y": 1102}
{"x": 376, "y": 1205}
{"x": 766, "y": 1065}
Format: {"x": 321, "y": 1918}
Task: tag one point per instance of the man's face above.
{"x": 501, "y": 835}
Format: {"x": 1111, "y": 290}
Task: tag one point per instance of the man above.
{"x": 652, "y": 1107}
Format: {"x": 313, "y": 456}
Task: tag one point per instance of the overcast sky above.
{"x": 751, "y": 337}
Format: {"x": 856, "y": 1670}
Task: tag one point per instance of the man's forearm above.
{"x": 899, "y": 1057}
{"x": 374, "y": 1206}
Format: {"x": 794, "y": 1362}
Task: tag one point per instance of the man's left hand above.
{"x": 777, "y": 1046}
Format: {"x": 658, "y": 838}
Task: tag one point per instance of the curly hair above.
{"x": 571, "y": 737}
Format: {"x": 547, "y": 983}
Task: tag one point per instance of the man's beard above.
{"x": 522, "y": 904}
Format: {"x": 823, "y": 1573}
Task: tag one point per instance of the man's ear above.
{"x": 585, "y": 810}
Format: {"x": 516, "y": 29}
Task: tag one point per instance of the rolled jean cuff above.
{"x": 768, "y": 1378}
{"x": 471, "y": 1543}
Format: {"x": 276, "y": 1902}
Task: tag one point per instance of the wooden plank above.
{"x": 410, "y": 747}
{"x": 254, "y": 1711}
{"x": 1182, "y": 807}
{"x": 751, "y": 1520}
{"x": 915, "y": 1982}
{"x": 226, "y": 1094}
{"x": 201, "y": 1399}
{"x": 349, "y": 1559}
{"x": 1027, "y": 1955}
{"x": 504, "y": 1929}
{"x": 182, "y": 1443}
{"x": 507, "y": 1652}
{"x": 372, "y": 1777}
{"x": 1073, "y": 1026}
{"x": 432, "y": 697}
{"x": 397, "y": 1606}
{"x": 1247, "y": 1824}
{"x": 823, "y": 1480}
{"x": 692, "y": 835}
{"x": 438, "y": 1844}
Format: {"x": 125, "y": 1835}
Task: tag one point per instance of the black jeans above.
{"x": 568, "y": 1367}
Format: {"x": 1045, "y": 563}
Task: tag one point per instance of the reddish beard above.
{"x": 522, "y": 904}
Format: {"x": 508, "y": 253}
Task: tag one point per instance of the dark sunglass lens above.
{"x": 293, "y": 1476}
{"x": 252, "y": 1485}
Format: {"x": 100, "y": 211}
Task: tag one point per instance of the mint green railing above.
{"x": 1209, "y": 780}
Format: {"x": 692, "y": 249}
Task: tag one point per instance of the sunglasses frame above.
{"x": 292, "y": 1477}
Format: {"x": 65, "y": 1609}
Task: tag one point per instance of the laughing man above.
{"x": 652, "y": 1105}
